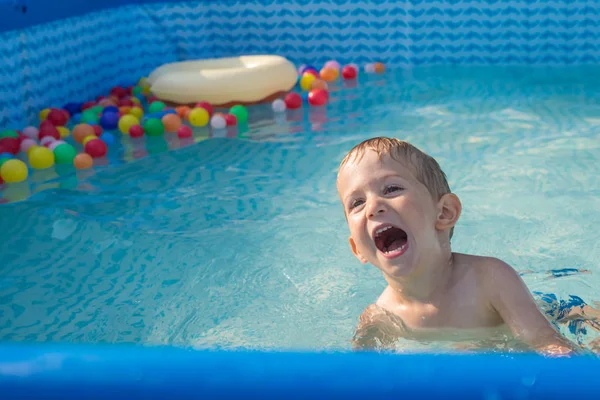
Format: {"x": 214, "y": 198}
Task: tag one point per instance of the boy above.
{"x": 401, "y": 214}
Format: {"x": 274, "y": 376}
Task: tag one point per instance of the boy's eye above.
{"x": 391, "y": 189}
{"x": 355, "y": 203}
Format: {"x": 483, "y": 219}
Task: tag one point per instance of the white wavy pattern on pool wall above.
{"x": 242, "y": 242}
{"x": 82, "y": 57}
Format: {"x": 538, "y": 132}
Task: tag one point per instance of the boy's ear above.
{"x": 449, "y": 209}
{"x": 355, "y": 251}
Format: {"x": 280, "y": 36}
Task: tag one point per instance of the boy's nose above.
{"x": 375, "y": 209}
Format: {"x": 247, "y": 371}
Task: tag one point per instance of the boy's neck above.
{"x": 428, "y": 286}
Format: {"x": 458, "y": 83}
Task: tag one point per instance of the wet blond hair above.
{"x": 426, "y": 168}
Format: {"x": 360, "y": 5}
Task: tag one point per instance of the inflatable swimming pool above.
{"x": 76, "y": 50}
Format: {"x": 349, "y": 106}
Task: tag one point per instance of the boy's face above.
{"x": 393, "y": 219}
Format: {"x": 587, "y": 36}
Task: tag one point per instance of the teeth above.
{"x": 401, "y": 248}
{"x": 380, "y": 230}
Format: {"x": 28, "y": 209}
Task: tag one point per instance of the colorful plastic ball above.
{"x": 127, "y": 121}
{"x": 109, "y": 121}
{"x": 87, "y": 139}
{"x": 26, "y": 144}
{"x": 293, "y": 100}
{"x": 329, "y": 74}
{"x": 156, "y": 107}
{"x": 14, "y": 171}
{"x": 40, "y": 157}
{"x": 306, "y": 80}
{"x": 52, "y": 132}
{"x": 230, "y": 120}
{"x": 87, "y": 105}
{"x": 4, "y": 157}
{"x": 10, "y": 145}
{"x": 218, "y": 121}
{"x": 118, "y": 91}
{"x": 137, "y": 111}
{"x": 123, "y": 110}
{"x": 110, "y": 109}
{"x": 278, "y": 105}
{"x": 306, "y": 68}
{"x": 349, "y": 72}
{"x": 125, "y": 102}
{"x": 207, "y": 106}
{"x": 108, "y": 138}
{"x": 58, "y": 117}
{"x": 44, "y": 114}
{"x": 56, "y": 143}
{"x": 64, "y": 153}
{"x": 83, "y": 161}
{"x": 318, "y": 97}
{"x": 82, "y": 131}
{"x": 154, "y": 127}
{"x": 136, "y": 131}
{"x": 96, "y": 148}
{"x": 31, "y": 132}
{"x": 240, "y": 112}
{"x": 182, "y": 111}
{"x": 46, "y": 140}
{"x": 370, "y": 68}
{"x": 199, "y": 116}
{"x": 137, "y": 91}
{"x": 332, "y": 64}
{"x": 184, "y": 131}
{"x": 63, "y": 131}
{"x": 379, "y": 67}
{"x": 9, "y": 133}
{"x": 89, "y": 117}
{"x": 72, "y": 108}
{"x": 97, "y": 130}
{"x": 171, "y": 122}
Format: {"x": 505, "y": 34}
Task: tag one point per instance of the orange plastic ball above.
{"x": 172, "y": 122}
{"x": 379, "y": 67}
{"x": 124, "y": 110}
{"x": 329, "y": 74}
{"x": 81, "y": 131}
{"x": 182, "y": 111}
{"x": 83, "y": 161}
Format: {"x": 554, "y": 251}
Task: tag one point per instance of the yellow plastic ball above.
{"x": 64, "y": 132}
{"x": 143, "y": 80}
{"x": 88, "y": 138}
{"x": 137, "y": 112}
{"x": 31, "y": 148}
{"x": 199, "y": 116}
{"x": 14, "y": 171}
{"x": 126, "y": 122}
{"x": 44, "y": 114}
{"x": 135, "y": 100}
{"x": 306, "y": 81}
{"x": 41, "y": 157}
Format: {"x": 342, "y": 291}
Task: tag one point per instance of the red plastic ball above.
{"x": 118, "y": 92}
{"x": 152, "y": 99}
{"x": 136, "y": 131}
{"x": 318, "y": 97}
{"x": 10, "y": 145}
{"x": 126, "y": 102}
{"x": 293, "y": 100}
{"x": 349, "y": 72}
{"x": 57, "y": 117}
{"x": 96, "y": 148}
{"x": 207, "y": 107}
{"x": 230, "y": 120}
{"x": 184, "y": 131}
{"x": 97, "y": 129}
{"x": 87, "y": 105}
{"x": 47, "y": 129}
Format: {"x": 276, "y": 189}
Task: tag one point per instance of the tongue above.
{"x": 395, "y": 245}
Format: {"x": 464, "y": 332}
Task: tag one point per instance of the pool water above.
{"x": 239, "y": 240}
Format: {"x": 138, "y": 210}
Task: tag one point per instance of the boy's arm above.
{"x": 377, "y": 329}
{"x": 511, "y": 298}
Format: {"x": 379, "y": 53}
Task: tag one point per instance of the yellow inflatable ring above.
{"x": 224, "y": 81}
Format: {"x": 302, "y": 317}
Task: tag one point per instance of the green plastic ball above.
{"x": 240, "y": 112}
{"x": 138, "y": 90}
{"x": 89, "y": 116}
{"x": 64, "y": 154}
{"x": 154, "y": 127}
{"x": 9, "y": 133}
{"x": 156, "y": 106}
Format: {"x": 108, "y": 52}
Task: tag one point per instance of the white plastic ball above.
{"x": 370, "y": 68}
{"x": 31, "y": 132}
{"x": 55, "y": 144}
{"x": 217, "y": 122}
{"x": 278, "y": 105}
{"x": 46, "y": 140}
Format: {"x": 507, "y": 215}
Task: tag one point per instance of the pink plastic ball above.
{"x": 26, "y": 144}
{"x": 332, "y": 64}
{"x": 31, "y": 132}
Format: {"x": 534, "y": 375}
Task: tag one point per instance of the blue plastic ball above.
{"x": 110, "y": 109}
{"x": 73, "y": 108}
{"x": 108, "y": 138}
{"x": 109, "y": 121}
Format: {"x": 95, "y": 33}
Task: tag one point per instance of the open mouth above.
{"x": 390, "y": 240}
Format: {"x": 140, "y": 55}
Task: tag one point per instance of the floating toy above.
{"x": 224, "y": 81}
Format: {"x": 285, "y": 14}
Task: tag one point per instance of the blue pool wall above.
{"x": 54, "y": 52}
